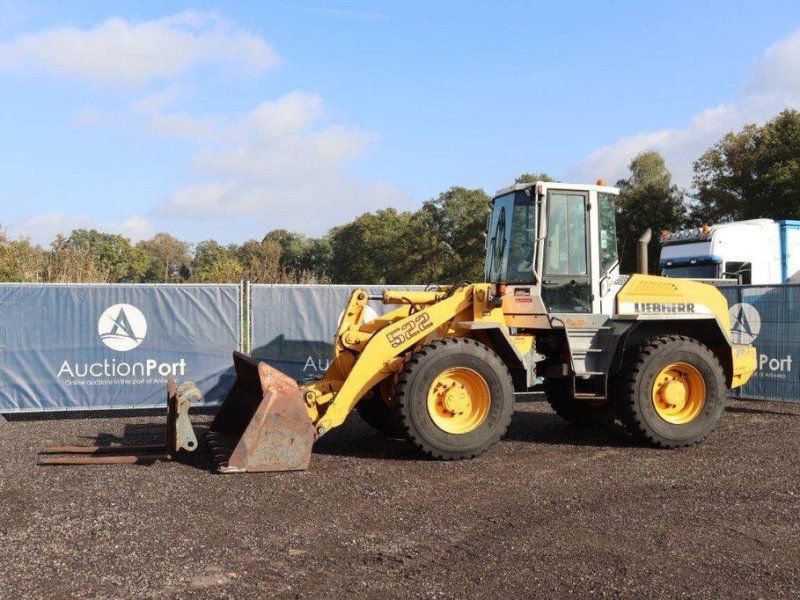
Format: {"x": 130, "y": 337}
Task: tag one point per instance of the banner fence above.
{"x": 769, "y": 318}
{"x": 78, "y": 347}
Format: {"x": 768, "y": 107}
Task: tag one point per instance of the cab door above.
{"x": 566, "y": 272}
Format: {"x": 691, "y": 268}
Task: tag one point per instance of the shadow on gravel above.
{"x": 549, "y": 428}
{"x": 359, "y": 440}
{"x": 760, "y": 411}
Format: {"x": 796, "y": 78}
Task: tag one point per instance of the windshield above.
{"x": 511, "y": 240}
{"x": 703, "y": 271}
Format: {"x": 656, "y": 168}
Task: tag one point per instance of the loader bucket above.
{"x": 262, "y": 425}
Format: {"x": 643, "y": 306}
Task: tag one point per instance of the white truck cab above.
{"x": 758, "y": 251}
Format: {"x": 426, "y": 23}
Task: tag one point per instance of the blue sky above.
{"x": 226, "y": 120}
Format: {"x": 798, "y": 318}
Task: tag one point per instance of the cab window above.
{"x": 511, "y": 240}
{"x": 608, "y": 232}
{"x": 565, "y": 250}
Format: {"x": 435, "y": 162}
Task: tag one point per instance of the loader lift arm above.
{"x": 365, "y": 354}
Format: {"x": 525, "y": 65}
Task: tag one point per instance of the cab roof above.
{"x": 557, "y": 185}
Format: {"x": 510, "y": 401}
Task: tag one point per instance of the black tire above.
{"x": 558, "y": 392}
{"x": 411, "y": 410}
{"x": 377, "y": 414}
{"x": 634, "y": 396}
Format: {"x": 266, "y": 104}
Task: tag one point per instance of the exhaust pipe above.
{"x": 641, "y": 251}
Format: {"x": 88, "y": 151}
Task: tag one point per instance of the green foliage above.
{"x": 167, "y": 258}
{"x": 317, "y": 259}
{"x": 752, "y": 173}
{"x": 19, "y": 260}
{"x": 292, "y": 246}
{"x": 89, "y": 255}
{"x": 215, "y": 263}
{"x": 301, "y": 259}
{"x": 648, "y": 198}
{"x": 368, "y": 249}
{"x": 447, "y": 238}
{"x": 261, "y": 261}
{"x": 534, "y": 177}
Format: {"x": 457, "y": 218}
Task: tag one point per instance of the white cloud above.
{"x": 186, "y": 126}
{"x": 282, "y": 164}
{"x": 778, "y": 69}
{"x": 42, "y": 229}
{"x": 772, "y": 85}
{"x": 289, "y": 115}
{"x": 126, "y": 52}
{"x": 156, "y": 102}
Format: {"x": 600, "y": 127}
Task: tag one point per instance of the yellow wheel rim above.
{"x": 458, "y": 400}
{"x": 679, "y": 393}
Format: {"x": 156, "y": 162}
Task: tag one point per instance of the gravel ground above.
{"x": 551, "y": 510}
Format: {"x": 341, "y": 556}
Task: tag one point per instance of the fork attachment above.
{"x": 180, "y": 436}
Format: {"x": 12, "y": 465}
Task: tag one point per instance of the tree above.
{"x": 753, "y": 173}
{"x": 167, "y": 258}
{"x": 302, "y": 259}
{"x": 647, "y": 198}
{"x": 447, "y": 240}
{"x": 534, "y": 177}
{"x": 292, "y": 246}
{"x": 19, "y": 260}
{"x": 215, "y": 263}
{"x": 88, "y": 255}
{"x": 368, "y": 249}
{"x": 317, "y": 259}
{"x": 261, "y": 261}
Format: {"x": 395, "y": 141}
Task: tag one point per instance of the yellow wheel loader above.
{"x": 442, "y": 368}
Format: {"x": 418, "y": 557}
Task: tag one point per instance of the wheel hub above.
{"x": 674, "y": 394}
{"x": 458, "y": 400}
{"x": 679, "y": 393}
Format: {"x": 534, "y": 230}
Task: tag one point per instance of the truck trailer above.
{"x": 758, "y": 251}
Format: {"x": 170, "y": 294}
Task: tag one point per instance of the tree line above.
{"x": 752, "y": 173}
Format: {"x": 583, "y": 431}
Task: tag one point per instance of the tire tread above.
{"x": 402, "y": 397}
{"x": 625, "y": 396}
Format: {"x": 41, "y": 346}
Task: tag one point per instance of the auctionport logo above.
{"x": 745, "y": 323}
{"x": 122, "y": 327}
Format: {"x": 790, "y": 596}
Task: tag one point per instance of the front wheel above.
{"x": 454, "y": 399}
{"x": 671, "y": 392}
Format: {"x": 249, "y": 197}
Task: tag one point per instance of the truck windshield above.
{"x": 511, "y": 239}
{"x": 702, "y": 271}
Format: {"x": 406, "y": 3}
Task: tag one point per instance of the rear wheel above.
{"x": 454, "y": 399}
{"x": 577, "y": 411}
{"x": 672, "y": 392}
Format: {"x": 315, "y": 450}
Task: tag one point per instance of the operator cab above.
{"x": 554, "y": 246}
